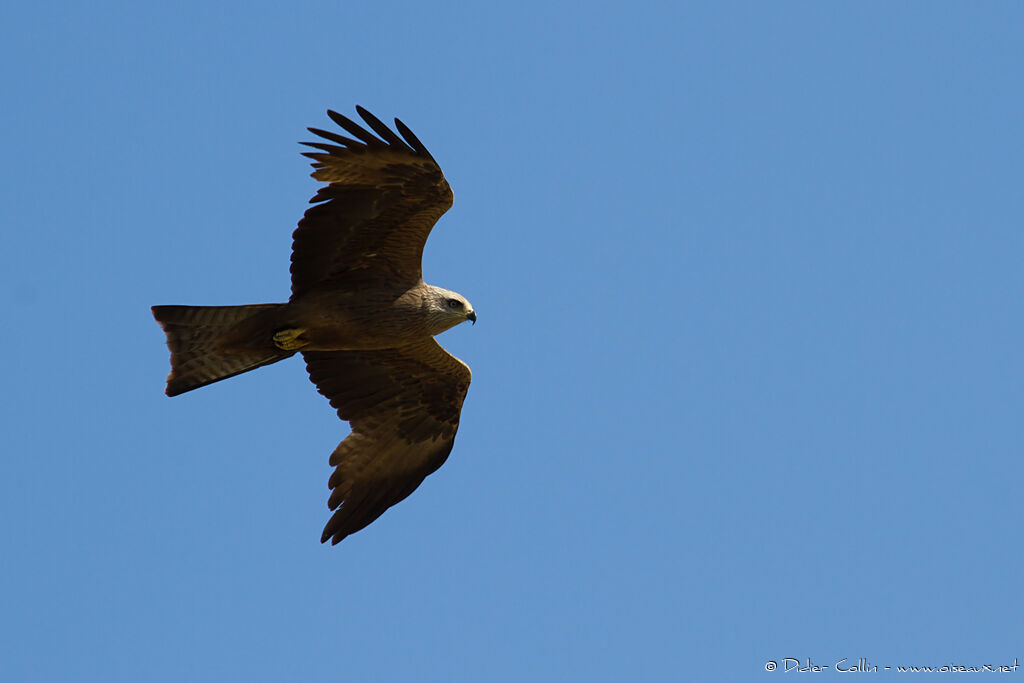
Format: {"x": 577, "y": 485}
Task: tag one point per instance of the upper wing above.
{"x": 404, "y": 406}
{"x": 372, "y": 220}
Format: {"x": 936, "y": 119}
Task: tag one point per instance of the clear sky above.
{"x": 748, "y": 380}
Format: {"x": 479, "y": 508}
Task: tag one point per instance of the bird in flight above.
{"x": 361, "y": 316}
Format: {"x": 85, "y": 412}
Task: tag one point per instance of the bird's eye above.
{"x": 454, "y": 303}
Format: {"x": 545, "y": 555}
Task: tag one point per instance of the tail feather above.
{"x": 195, "y": 336}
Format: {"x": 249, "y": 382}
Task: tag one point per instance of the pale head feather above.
{"x": 446, "y": 309}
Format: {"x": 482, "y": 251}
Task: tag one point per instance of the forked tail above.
{"x": 196, "y": 336}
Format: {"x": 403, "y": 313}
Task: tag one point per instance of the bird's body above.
{"x": 360, "y": 314}
{"x": 372, "y": 317}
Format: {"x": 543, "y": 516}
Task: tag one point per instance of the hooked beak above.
{"x": 471, "y": 316}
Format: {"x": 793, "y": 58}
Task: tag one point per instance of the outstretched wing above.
{"x": 404, "y": 406}
{"x": 373, "y": 218}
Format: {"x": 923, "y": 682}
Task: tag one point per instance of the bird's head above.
{"x": 446, "y": 309}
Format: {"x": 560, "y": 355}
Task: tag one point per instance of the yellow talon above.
{"x": 289, "y": 340}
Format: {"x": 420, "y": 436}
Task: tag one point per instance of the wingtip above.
{"x": 348, "y": 143}
{"x": 404, "y": 139}
{"x": 380, "y": 128}
{"x": 330, "y": 536}
{"x": 354, "y": 128}
{"x": 339, "y": 119}
{"x": 412, "y": 140}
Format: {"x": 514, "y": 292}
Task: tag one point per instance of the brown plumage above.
{"x": 361, "y": 316}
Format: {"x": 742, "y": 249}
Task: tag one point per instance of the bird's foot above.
{"x": 290, "y": 339}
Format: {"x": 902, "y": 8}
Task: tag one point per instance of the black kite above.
{"x": 361, "y": 316}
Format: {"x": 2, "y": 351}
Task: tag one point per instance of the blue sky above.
{"x": 747, "y": 374}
